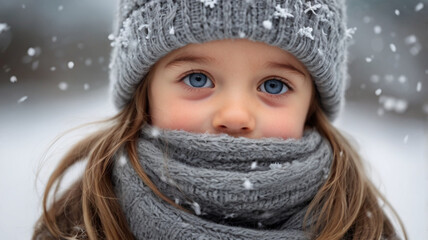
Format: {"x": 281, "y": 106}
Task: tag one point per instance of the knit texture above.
{"x": 313, "y": 31}
{"x": 235, "y": 188}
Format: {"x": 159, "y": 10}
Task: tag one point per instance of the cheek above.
{"x": 285, "y": 125}
{"x": 170, "y": 114}
{"x": 283, "y": 129}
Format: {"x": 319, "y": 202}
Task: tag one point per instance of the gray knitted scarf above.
{"x": 234, "y": 188}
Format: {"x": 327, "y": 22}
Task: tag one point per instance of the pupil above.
{"x": 198, "y": 80}
{"x": 273, "y": 86}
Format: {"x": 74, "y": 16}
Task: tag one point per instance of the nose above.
{"x": 234, "y": 117}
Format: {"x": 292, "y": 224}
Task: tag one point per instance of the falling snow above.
{"x": 411, "y": 39}
{"x": 419, "y": 7}
{"x": 209, "y": 3}
{"x": 63, "y": 86}
{"x": 367, "y": 19}
{"x": 419, "y": 86}
{"x": 282, "y": 12}
{"x": 70, "y": 65}
{"x": 13, "y": 79}
{"x": 389, "y": 78}
{"x": 86, "y": 86}
{"x": 378, "y": 92}
{"x": 60, "y": 8}
{"x": 4, "y": 27}
{"x": 380, "y": 112}
{"x": 307, "y": 32}
{"x": 415, "y": 50}
{"x": 267, "y": 24}
{"x": 155, "y": 132}
{"x": 53, "y": 68}
{"x": 406, "y": 139}
{"x": 248, "y": 185}
{"x": 393, "y": 104}
{"x": 397, "y": 12}
{"x": 122, "y": 160}
{"x": 88, "y": 62}
{"x": 393, "y": 47}
{"x": 23, "y": 99}
{"x": 377, "y": 29}
{"x": 110, "y": 37}
{"x": 374, "y": 78}
{"x": 402, "y": 79}
{"x": 35, "y": 65}
{"x": 369, "y": 59}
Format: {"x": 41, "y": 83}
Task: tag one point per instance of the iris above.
{"x": 274, "y": 86}
{"x": 197, "y": 80}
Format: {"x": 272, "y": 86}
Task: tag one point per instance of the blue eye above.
{"x": 198, "y": 80}
{"x": 274, "y": 86}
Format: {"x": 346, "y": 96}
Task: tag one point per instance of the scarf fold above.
{"x": 235, "y": 188}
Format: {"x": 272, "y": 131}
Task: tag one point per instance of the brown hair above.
{"x": 346, "y": 205}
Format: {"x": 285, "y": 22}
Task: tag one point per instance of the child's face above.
{"x": 236, "y": 87}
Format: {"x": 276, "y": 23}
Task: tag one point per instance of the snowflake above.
{"x": 267, "y": 24}
{"x": 419, "y": 7}
{"x": 247, "y": 184}
{"x": 350, "y": 32}
{"x": 307, "y": 32}
{"x": 312, "y": 8}
{"x": 171, "y": 30}
{"x": 155, "y": 132}
{"x": 274, "y": 166}
{"x": 13, "y": 79}
{"x": 282, "y": 12}
{"x": 196, "y": 208}
{"x": 3, "y": 27}
{"x": 253, "y": 165}
{"x": 22, "y": 99}
{"x": 122, "y": 39}
{"x": 209, "y": 3}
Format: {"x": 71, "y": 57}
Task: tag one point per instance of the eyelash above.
{"x": 277, "y": 96}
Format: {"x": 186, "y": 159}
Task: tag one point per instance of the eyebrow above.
{"x": 189, "y": 59}
{"x": 285, "y": 66}
{"x": 204, "y": 60}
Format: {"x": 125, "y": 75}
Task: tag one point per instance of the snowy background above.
{"x": 54, "y": 76}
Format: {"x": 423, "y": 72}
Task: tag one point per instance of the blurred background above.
{"x": 54, "y": 58}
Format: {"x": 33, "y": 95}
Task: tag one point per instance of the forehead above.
{"x": 256, "y": 53}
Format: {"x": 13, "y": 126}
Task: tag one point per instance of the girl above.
{"x": 223, "y": 131}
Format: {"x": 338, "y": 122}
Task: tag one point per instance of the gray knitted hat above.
{"x": 313, "y": 31}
